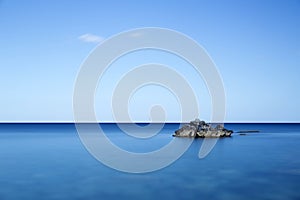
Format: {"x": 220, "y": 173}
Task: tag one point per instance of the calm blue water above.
{"x": 48, "y": 161}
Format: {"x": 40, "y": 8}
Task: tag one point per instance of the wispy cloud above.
{"x": 90, "y": 38}
{"x": 137, "y": 34}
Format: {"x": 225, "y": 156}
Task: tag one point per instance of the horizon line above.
{"x": 137, "y": 122}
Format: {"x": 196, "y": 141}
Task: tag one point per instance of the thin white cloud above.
{"x": 90, "y": 38}
{"x": 136, "y": 34}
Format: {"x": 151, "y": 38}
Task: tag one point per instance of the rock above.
{"x": 201, "y": 129}
{"x": 186, "y": 131}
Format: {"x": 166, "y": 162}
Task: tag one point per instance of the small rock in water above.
{"x": 201, "y": 129}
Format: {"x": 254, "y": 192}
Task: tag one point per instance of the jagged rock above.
{"x": 201, "y": 129}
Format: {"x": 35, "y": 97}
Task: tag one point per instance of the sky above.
{"x": 254, "y": 44}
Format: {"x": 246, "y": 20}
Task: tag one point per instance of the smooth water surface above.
{"x": 48, "y": 161}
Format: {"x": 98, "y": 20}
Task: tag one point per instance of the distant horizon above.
{"x": 144, "y": 122}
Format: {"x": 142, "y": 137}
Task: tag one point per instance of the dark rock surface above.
{"x": 201, "y": 129}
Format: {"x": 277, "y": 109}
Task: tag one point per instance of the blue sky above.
{"x": 254, "y": 44}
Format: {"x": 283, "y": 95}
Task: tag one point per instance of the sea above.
{"x": 49, "y": 161}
